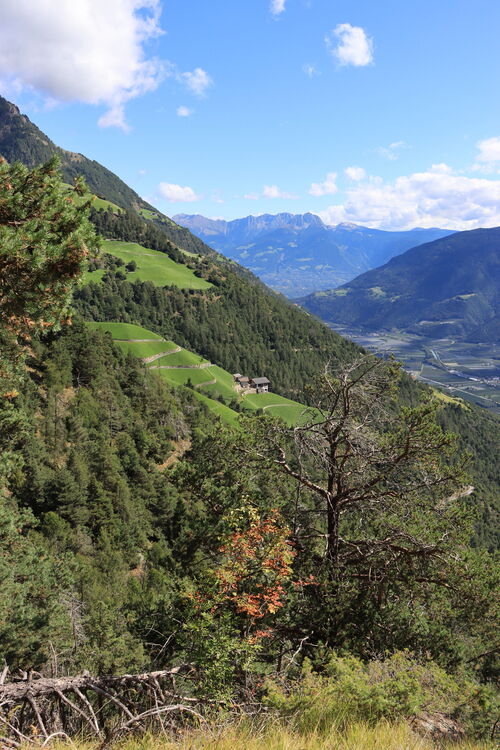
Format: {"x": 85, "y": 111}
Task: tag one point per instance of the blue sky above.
{"x": 380, "y": 113}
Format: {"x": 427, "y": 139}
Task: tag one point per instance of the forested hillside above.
{"x": 448, "y": 287}
{"x": 138, "y": 533}
{"x": 242, "y": 327}
{"x": 21, "y": 140}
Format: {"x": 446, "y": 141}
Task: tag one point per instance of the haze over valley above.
{"x": 300, "y": 254}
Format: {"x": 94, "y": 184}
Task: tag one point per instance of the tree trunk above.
{"x": 332, "y": 543}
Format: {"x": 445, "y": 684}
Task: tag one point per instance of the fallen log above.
{"x": 36, "y": 707}
{"x": 19, "y": 689}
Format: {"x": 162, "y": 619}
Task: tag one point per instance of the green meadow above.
{"x": 183, "y": 375}
{"x": 276, "y": 406}
{"x": 97, "y": 203}
{"x": 143, "y": 349}
{"x": 210, "y": 384}
{"x": 224, "y": 385}
{"x": 184, "y": 358}
{"x": 227, "y": 415}
{"x": 154, "y": 266}
{"x": 125, "y": 331}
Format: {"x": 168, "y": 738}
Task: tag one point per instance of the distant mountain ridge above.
{"x": 449, "y": 287}
{"x": 297, "y": 253}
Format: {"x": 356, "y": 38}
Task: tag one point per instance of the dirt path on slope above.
{"x": 203, "y": 366}
{"x": 180, "y": 448}
{"x": 161, "y": 354}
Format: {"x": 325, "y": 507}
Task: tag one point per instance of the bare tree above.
{"x": 377, "y": 482}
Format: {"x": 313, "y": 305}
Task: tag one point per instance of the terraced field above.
{"x": 152, "y": 265}
{"x": 182, "y": 358}
{"x": 197, "y": 377}
{"x": 126, "y": 331}
{"x": 289, "y": 411}
{"x": 146, "y": 349}
{"x": 229, "y": 416}
{"x": 181, "y": 367}
{"x": 223, "y": 386}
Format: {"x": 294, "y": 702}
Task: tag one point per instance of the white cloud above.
{"x": 355, "y": 173}
{"x": 488, "y": 158}
{"x": 273, "y": 191}
{"x": 438, "y": 197}
{"x": 197, "y": 81}
{"x": 328, "y": 187}
{"x": 350, "y": 45}
{"x": 392, "y": 151}
{"x": 178, "y": 194}
{"x": 277, "y": 7}
{"x": 251, "y": 196}
{"x": 310, "y": 70}
{"x": 184, "y": 111}
{"x": 489, "y": 150}
{"x": 86, "y": 51}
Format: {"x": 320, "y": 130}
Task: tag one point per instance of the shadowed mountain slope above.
{"x": 449, "y": 287}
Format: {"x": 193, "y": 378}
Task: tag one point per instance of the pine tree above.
{"x": 45, "y": 237}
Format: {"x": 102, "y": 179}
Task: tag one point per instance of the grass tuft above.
{"x": 275, "y": 736}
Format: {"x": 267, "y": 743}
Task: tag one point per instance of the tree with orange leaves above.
{"x": 234, "y": 608}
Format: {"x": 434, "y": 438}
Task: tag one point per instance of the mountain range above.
{"x": 449, "y": 287}
{"x": 297, "y": 254}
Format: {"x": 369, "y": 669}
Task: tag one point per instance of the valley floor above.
{"x": 460, "y": 369}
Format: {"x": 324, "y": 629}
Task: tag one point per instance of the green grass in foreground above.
{"x": 153, "y": 266}
{"x": 382, "y": 736}
{"x": 125, "y": 331}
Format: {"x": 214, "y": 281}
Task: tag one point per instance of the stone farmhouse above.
{"x": 259, "y": 385}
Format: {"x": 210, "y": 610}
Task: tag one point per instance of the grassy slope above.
{"x": 122, "y": 331}
{"x": 289, "y": 411}
{"x": 381, "y": 736}
{"x": 97, "y": 203}
{"x": 154, "y": 266}
{"x": 184, "y": 358}
{"x": 144, "y": 349}
{"x": 125, "y": 331}
{"x": 273, "y": 404}
{"x": 181, "y": 376}
{"x": 229, "y": 416}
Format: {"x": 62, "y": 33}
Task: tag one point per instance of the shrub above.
{"x": 398, "y": 687}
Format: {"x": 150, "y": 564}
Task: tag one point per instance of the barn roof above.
{"x": 260, "y": 381}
